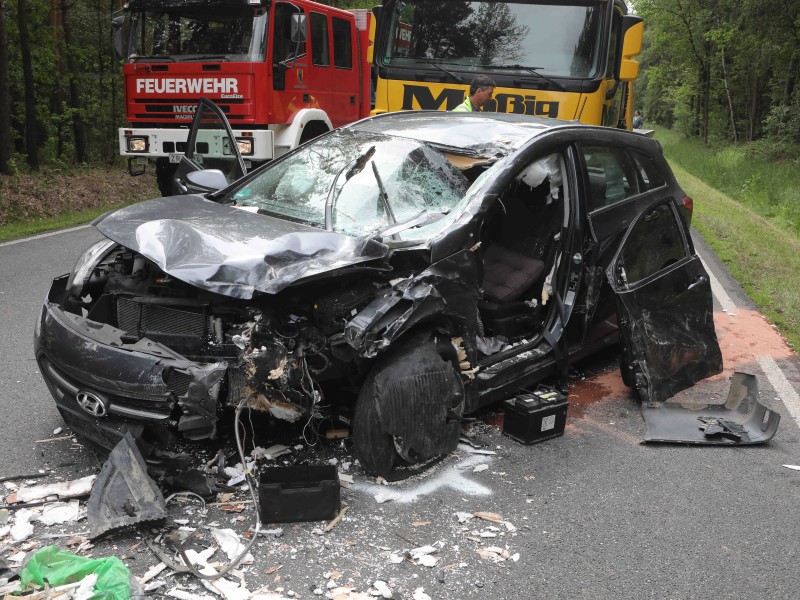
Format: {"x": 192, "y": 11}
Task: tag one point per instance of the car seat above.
{"x": 507, "y": 275}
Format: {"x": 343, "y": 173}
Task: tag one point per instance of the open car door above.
{"x": 664, "y": 305}
{"x": 212, "y": 160}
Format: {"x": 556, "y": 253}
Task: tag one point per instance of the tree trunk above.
{"x": 791, "y": 78}
{"x": 752, "y": 121}
{"x": 728, "y": 94}
{"x": 78, "y": 129}
{"x": 31, "y": 126}
{"x": 5, "y": 99}
{"x": 57, "y": 96}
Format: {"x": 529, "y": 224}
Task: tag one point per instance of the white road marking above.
{"x": 770, "y": 368}
{"x": 781, "y": 385}
{"x": 44, "y": 235}
{"x": 719, "y": 292}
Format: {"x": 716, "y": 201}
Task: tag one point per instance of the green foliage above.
{"x": 769, "y": 270}
{"x": 749, "y": 173}
{"x": 722, "y": 70}
{"x": 78, "y": 55}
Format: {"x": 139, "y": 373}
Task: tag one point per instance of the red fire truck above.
{"x": 282, "y": 72}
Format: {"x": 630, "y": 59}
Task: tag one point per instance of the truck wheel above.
{"x": 408, "y": 410}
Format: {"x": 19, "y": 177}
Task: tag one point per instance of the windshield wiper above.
{"x": 441, "y": 68}
{"x": 384, "y": 195}
{"x": 152, "y": 58}
{"x": 354, "y": 167}
{"x": 222, "y": 57}
{"x": 532, "y": 70}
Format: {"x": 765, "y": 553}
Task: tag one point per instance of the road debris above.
{"x": 62, "y": 490}
{"x": 336, "y": 519}
{"x": 60, "y": 512}
{"x": 124, "y": 493}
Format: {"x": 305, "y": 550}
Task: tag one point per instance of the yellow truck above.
{"x": 570, "y": 60}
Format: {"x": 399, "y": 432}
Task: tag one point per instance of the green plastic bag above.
{"x": 54, "y": 567}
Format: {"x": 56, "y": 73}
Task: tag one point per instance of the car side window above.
{"x": 655, "y": 242}
{"x": 319, "y": 40}
{"x": 612, "y": 176}
{"x": 650, "y": 177}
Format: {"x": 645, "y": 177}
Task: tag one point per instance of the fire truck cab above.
{"x": 283, "y": 72}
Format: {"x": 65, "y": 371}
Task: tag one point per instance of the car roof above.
{"x": 485, "y": 134}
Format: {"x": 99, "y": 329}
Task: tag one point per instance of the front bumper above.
{"x": 123, "y": 387}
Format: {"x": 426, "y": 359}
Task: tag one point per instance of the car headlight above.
{"x": 86, "y": 264}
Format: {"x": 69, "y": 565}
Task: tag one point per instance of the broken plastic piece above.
{"x": 741, "y": 420}
{"x": 716, "y": 426}
{"x": 63, "y": 489}
{"x": 53, "y": 567}
{"x": 124, "y": 493}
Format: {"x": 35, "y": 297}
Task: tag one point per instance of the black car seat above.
{"x": 507, "y": 275}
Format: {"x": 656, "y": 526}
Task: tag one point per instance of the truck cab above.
{"x": 283, "y": 72}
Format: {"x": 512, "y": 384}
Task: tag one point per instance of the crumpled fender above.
{"x": 447, "y": 290}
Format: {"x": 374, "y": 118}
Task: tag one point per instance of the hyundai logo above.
{"x": 92, "y": 404}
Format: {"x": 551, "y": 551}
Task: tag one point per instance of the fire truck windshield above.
{"x": 191, "y": 34}
{"x": 556, "y": 40}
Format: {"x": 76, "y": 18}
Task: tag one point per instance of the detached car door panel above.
{"x": 664, "y": 304}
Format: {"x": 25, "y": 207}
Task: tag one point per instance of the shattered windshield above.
{"x": 195, "y": 33}
{"x": 416, "y": 179}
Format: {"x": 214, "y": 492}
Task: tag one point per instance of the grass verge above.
{"x": 763, "y": 257}
{"x": 69, "y": 219}
{"x": 767, "y": 186}
{"x": 33, "y": 202}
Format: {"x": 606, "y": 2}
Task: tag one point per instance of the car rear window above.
{"x": 650, "y": 177}
{"x": 612, "y": 176}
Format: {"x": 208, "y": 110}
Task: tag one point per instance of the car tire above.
{"x": 375, "y": 450}
{"x": 379, "y": 452}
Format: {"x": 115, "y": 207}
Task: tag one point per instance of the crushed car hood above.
{"x": 231, "y": 251}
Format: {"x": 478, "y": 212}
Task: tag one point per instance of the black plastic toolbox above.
{"x": 532, "y": 417}
{"x": 300, "y": 493}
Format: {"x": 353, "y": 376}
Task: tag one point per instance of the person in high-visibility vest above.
{"x": 481, "y": 90}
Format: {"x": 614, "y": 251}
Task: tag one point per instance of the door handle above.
{"x": 700, "y": 281}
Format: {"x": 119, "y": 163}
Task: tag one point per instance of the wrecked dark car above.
{"x": 413, "y": 267}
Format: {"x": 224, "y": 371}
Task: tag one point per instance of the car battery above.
{"x": 532, "y": 417}
{"x": 299, "y": 493}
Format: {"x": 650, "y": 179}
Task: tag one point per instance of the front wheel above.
{"x": 375, "y": 450}
{"x": 408, "y": 409}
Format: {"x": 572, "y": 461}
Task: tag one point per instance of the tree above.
{"x": 31, "y": 125}
{"x": 5, "y": 99}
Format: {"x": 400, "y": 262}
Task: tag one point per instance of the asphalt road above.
{"x": 592, "y": 514}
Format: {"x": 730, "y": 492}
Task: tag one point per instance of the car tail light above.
{"x": 689, "y": 204}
